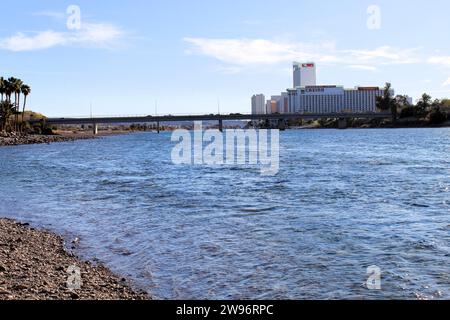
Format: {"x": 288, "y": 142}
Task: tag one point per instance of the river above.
{"x": 341, "y": 202}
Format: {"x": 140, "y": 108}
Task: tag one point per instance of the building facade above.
{"x": 333, "y": 99}
{"x": 272, "y": 106}
{"x": 258, "y": 104}
{"x": 304, "y": 74}
{"x": 307, "y": 97}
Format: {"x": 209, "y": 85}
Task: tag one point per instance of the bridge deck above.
{"x": 154, "y": 119}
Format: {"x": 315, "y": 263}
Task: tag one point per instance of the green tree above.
{"x": 387, "y": 102}
{"x": 423, "y": 106}
{"x": 402, "y": 101}
{"x": 445, "y": 103}
{"x": 436, "y": 116}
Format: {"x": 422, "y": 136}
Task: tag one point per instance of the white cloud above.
{"x": 42, "y": 40}
{"x": 362, "y": 67}
{"x": 97, "y": 34}
{"x": 440, "y": 60}
{"x": 384, "y": 55}
{"x": 243, "y": 52}
{"x": 240, "y": 52}
{"x": 90, "y": 34}
{"x": 446, "y": 83}
{"x": 255, "y": 51}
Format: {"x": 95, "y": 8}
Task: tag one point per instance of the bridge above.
{"x": 95, "y": 121}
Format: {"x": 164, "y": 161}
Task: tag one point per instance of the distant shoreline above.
{"x": 411, "y": 123}
{"x": 12, "y": 139}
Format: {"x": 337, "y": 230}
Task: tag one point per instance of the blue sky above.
{"x": 188, "y": 55}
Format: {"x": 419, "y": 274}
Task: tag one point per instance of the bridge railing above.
{"x": 210, "y": 114}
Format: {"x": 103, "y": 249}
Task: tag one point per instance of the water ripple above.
{"x": 343, "y": 201}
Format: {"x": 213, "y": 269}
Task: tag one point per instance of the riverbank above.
{"x": 34, "y": 265}
{"x": 407, "y": 123}
{"x": 15, "y": 139}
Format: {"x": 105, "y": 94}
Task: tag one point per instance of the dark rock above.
{"x": 74, "y": 296}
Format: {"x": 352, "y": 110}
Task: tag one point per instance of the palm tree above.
{"x": 18, "y": 90}
{"x": 6, "y": 110}
{"x": 11, "y": 89}
{"x": 16, "y": 84}
{"x": 8, "y": 90}
{"x": 2, "y": 87}
{"x": 26, "y": 90}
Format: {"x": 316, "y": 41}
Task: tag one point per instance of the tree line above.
{"x": 435, "y": 111}
{"x": 10, "y": 108}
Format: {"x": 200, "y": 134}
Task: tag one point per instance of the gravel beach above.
{"x": 14, "y": 139}
{"x": 34, "y": 265}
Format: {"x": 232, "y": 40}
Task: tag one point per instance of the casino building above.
{"x": 333, "y": 99}
{"x": 308, "y": 97}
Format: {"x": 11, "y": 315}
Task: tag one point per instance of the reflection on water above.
{"x": 343, "y": 201}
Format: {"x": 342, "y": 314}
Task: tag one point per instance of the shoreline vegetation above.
{"x": 34, "y": 265}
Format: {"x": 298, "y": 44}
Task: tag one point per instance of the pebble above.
{"x": 14, "y": 139}
{"x": 25, "y": 277}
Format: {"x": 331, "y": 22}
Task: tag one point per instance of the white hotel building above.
{"x": 307, "y": 97}
{"x": 333, "y": 99}
{"x": 304, "y": 74}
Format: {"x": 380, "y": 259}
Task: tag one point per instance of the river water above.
{"x": 341, "y": 202}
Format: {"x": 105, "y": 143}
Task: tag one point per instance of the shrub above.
{"x": 437, "y": 116}
{"x": 407, "y": 112}
{"x": 47, "y": 131}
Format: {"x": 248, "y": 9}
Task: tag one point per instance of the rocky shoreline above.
{"x": 34, "y": 265}
{"x": 15, "y": 139}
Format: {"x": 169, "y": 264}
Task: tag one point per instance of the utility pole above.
{"x": 94, "y": 125}
{"x": 156, "y": 107}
